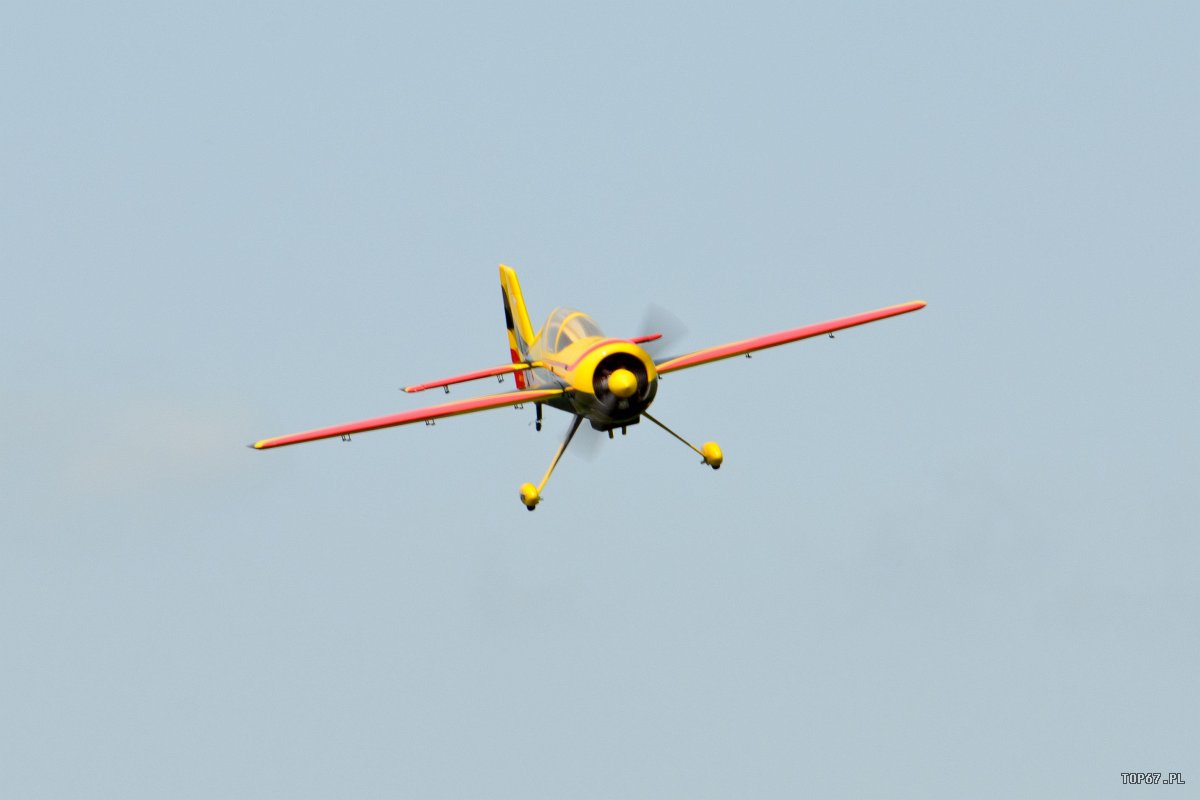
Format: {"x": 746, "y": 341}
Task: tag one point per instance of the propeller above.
{"x": 657, "y": 319}
{"x": 587, "y": 442}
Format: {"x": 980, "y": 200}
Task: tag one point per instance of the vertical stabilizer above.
{"x": 520, "y": 332}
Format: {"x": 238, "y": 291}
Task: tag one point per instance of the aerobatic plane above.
{"x": 571, "y": 365}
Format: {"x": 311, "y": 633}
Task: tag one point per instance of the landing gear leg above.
{"x": 532, "y": 495}
{"x": 710, "y": 452}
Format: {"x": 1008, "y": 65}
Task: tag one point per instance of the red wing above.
{"x": 416, "y": 415}
{"x": 783, "y": 337}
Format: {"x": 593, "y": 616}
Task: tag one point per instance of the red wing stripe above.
{"x": 783, "y": 337}
{"x": 416, "y": 415}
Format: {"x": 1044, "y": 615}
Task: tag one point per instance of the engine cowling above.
{"x": 623, "y": 388}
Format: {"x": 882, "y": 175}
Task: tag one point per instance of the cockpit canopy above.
{"x": 566, "y": 325}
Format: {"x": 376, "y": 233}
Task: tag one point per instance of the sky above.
{"x": 951, "y": 554}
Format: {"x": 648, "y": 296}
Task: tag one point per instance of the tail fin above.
{"x": 520, "y": 332}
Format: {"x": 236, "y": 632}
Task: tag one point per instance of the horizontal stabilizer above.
{"x": 469, "y": 376}
{"x": 650, "y": 337}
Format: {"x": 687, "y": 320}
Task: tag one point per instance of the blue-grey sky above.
{"x": 953, "y": 554}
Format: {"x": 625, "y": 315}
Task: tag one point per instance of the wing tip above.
{"x": 905, "y": 308}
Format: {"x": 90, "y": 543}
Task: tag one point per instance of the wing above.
{"x": 783, "y": 337}
{"x": 416, "y": 415}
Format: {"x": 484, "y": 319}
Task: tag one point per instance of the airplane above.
{"x": 570, "y": 365}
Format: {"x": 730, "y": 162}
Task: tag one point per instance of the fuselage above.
{"x": 610, "y": 381}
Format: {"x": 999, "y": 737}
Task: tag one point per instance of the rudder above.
{"x": 520, "y": 332}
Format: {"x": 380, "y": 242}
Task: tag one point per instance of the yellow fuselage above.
{"x": 610, "y": 381}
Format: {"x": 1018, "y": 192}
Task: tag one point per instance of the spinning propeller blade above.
{"x": 657, "y": 319}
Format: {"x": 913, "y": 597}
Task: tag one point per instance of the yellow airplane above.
{"x": 572, "y": 366}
